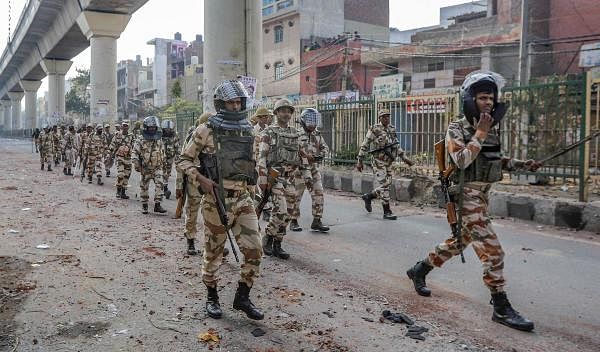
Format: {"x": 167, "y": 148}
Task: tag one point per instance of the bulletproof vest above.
{"x": 234, "y": 156}
{"x": 284, "y": 149}
{"x": 487, "y": 167}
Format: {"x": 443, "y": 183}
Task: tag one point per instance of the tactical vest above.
{"x": 284, "y": 149}
{"x": 234, "y": 156}
{"x": 487, "y": 167}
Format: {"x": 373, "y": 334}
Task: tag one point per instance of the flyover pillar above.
{"x": 236, "y": 51}
{"x": 30, "y": 88}
{"x": 15, "y": 99}
{"x": 5, "y": 109}
{"x": 56, "y": 71}
{"x": 103, "y": 30}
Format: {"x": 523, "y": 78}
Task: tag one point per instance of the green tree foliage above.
{"x": 77, "y": 100}
{"x": 182, "y": 106}
{"x": 176, "y": 90}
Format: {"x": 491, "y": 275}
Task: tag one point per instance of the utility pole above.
{"x": 523, "y": 76}
{"x": 347, "y": 68}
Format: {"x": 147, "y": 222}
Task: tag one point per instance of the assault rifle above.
{"x": 454, "y": 218}
{"x": 272, "y": 175}
{"x": 387, "y": 150}
{"x": 569, "y": 147}
{"x": 219, "y": 203}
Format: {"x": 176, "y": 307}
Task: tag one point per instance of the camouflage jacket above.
{"x": 202, "y": 142}
{"x": 257, "y": 136}
{"x": 122, "y": 145}
{"x": 69, "y": 141}
{"x": 313, "y": 145}
{"x": 379, "y": 136}
{"x": 172, "y": 146}
{"x": 268, "y": 146}
{"x": 57, "y": 140}
{"x": 463, "y": 147}
{"x": 108, "y": 137}
{"x": 148, "y": 153}
{"x": 47, "y": 142}
{"x": 94, "y": 145}
{"x": 180, "y": 173}
{"x": 81, "y": 141}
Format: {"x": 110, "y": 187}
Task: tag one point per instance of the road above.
{"x": 113, "y": 279}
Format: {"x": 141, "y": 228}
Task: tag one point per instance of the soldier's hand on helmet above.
{"x": 359, "y": 166}
{"x": 532, "y": 165}
{"x": 178, "y": 193}
{"x": 485, "y": 122}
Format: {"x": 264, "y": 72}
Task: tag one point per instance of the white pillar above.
{"x": 103, "y": 30}
{"x": 30, "y": 88}
{"x": 236, "y": 51}
{"x": 5, "y": 109}
{"x": 15, "y": 99}
{"x": 56, "y": 71}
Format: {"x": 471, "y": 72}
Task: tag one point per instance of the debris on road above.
{"x": 416, "y": 332}
{"x": 397, "y": 317}
{"x": 210, "y": 337}
{"x": 258, "y": 332}
{"x": 42, "y": 246}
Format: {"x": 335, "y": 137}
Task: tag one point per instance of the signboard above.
{"x": 388, "y": 87}
{"x": 250, "y": 85}
{"x": 589, "y": 55}
{"x": 425, "y": 105}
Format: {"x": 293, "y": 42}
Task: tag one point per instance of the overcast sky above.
{"x": 162, "y": 18}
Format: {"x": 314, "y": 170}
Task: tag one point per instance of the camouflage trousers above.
{"x": 477, "y": 231}
{"x": 192, "y": 205}
{"x": 94, "y": 165}
{"x": 156, "y": 176}
{"x": 167, "y": 167}
{"x": 123, "y": 171}
{"x": 46, "y": 156}
{"x": 244, "y": 225}
{"x": 109, "y": 161}
{"x": 70, "y": 158}
{"x": 283, "y": 198}
{"x": 315, "y": 187}
{"x": 58, "y": 155}
{"x": 383, "y": 180}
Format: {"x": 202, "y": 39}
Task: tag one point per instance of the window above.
{"x": 435, "y": 66}
{"x": 307, "y": 78}
{"x": 278, "y": 34}
{"x": 283, "y": 4}
{"x": 429, "y": 83}
{"x": 278, "y": 70}
{"x": 267, "y": 2}
{"x": 267, "y": 11}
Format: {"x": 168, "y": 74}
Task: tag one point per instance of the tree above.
{"x": 176, "y": 90}
{"x": 77, "y": 100}
{"x": 181, "y": 105}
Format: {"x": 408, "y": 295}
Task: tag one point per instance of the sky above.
{"x": 162, "y": 18}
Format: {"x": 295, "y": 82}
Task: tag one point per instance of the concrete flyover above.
{"x": 49, "y": 34}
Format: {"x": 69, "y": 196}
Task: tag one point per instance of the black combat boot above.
{"x": 191, "y": 250}
{"x": 506, "y": 315}
{"x": 65, "y": 170}
{"x": 368, "y": 197}
{"x": 242, "y": 302}
{"x": 123, "y": 194}
{"x": 100, "y": 180}
{"x": 268, "y": 246}
{"x": 49, "y": 167}
{"x": 119, "y": 191}
{"x": 278, "y": 251}
{"x": 159, "y": 209}
{"x": 417, "y": 274}
{"x": 167, "y": 192}
{"x": 144, "y": 208}
{"x": 213, "y": 308}
{"x": 317, "y": 225}
{"x": 69, "y": 172}
{"x": 42, "y": 167}
{"x": 107, "y": 173}
{"x": 294, "y": 226}
{"x": 89, "y": 179}
{"x": 387, "y": 212}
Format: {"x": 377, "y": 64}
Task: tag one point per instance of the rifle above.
{"x": 272, "y": 175}
{"x": 570, "y": 147}
{"x": 451, "y": 213}
{"x": 386, "y": 150}
{"x": 181, "y": 201}
{"x": 83, "y": 167}
{"x": 217, "y": 194}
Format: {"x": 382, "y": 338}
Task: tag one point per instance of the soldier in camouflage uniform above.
{"x": 382, "y": 137}
{"x": 109, "y": 156}
{"x": 148, "y": 158}
{"x": 121, "y": 147}
{"x": 473, "y": 143}
{"x": 172, "y": 147}
{"x": 308, "y": 175}
{"x": 82, "y": 139}
{"x": 94, "y": 150}
{"x": 280, "y": 150}
{"x": 46, "y": 148}
{"x": 69, "y": 141}
{"x": 224, "y": 147}
{"x": 56, "y": 139}
{"x": 262, "y": 118}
